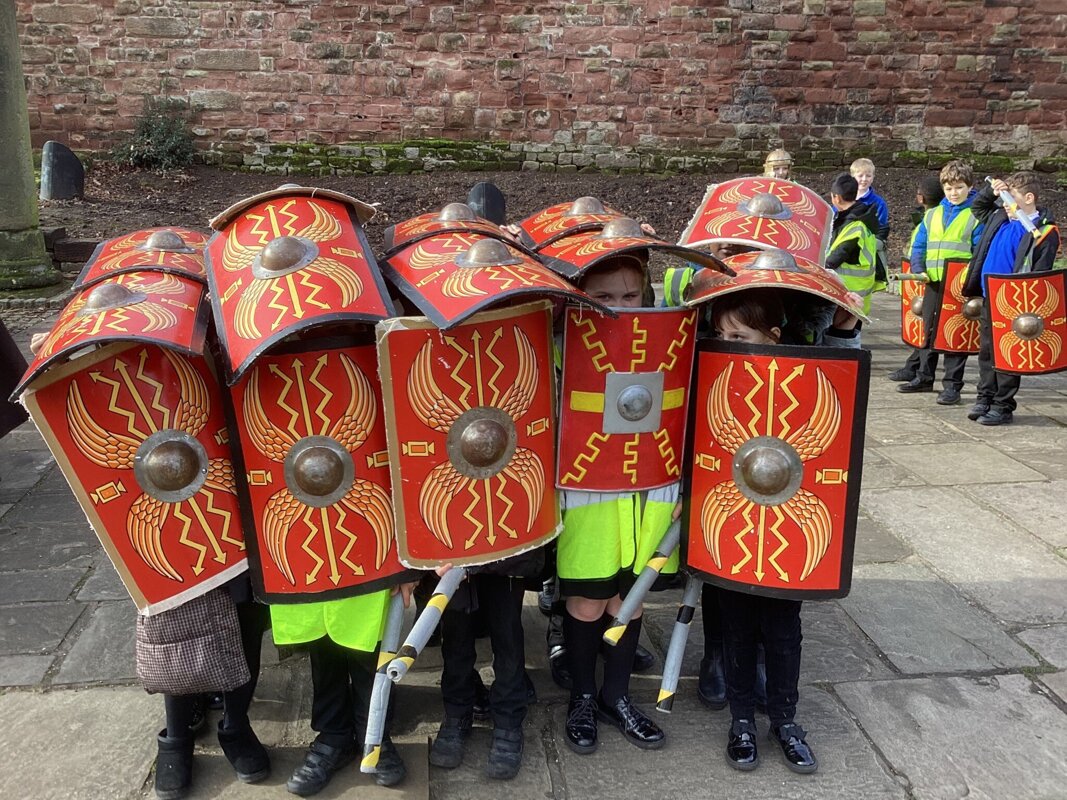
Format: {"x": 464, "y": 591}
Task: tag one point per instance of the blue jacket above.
{"x": 872, "y": 198}
{"x": 922, "y": 236}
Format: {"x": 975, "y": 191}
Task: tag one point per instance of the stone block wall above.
{"x": 626, "y": 84}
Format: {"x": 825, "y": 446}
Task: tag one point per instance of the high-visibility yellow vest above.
{"x": 859, "y": 277}
{"x": 676, "y": 282}
{"x": 945, "y": 244}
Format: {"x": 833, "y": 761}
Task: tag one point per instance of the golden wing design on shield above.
{"x": 278, "y": 517}
{"x": 526, "y": 468}
{"x": 144, "y": 525}
{"x": 193, "y": 408}
{"x": 461, "y": 283}
{"x": 237, "y": 256}
{"x": 370, "y": 501}
{"x": 811, "y": 515}
{"x": 244, "y": 316}
{"x": 164, "y": 284}
{"x": 728, "y": 432}
{"x": 347, "y": 281}
{"x": 721, "y": 503}
{"x": 158, "y": 318}
{"x": 440, "y": 487}
{"x": 520, "y": 394}
{"x": 103, "y": 447}
{"x": 220, "y": 475}
{"x": 323, "y": 227}
{"x": 354, "y": 425}
{"x": 422, "y": 258}
{"x": 430, "y": 404}
{"x": 269, "y": 439}
{"x": 813, "y": 438}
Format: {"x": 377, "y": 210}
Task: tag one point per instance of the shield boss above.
{"x": 483, "y": 442}
{"x": 164, "y": 240}
{"x": 1028, "y": 326}
{"x": 171, "y": 466}
{"x": 917, "y": 305}
{"x": 318, "y": 471}
{"x": 972, "y": 308}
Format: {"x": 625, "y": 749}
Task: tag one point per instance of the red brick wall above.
{"x": 732, "y": 76}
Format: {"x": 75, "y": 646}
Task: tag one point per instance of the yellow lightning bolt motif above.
{"x": 164, "y": 412}
{"x": 638, "y": 353}
{"x": 783, "y": 418}
{"x": 352, "y": 539}
{"x": 327, "y": 536}
{"x": 596, "y": 347}
{"x": 750, "y": 526}
{"x": 227, "y": 518}
{"x": 311, "y": 576}
{"x": 508, "y": 503}
{"x": 478, "y": 525}
{"x": 629, "y": 464}
{"x": 117, "y": 315}
{"x": 278, "y": 290}
{"x": 316, "y": 290}
{"x": 772, "y": 559}
{"x": 187, "y": 523}
{"x": 491, "y": 383}
{"x": 298, "y": 368}
{"x": 760, "y": 536}
{"x": 464, "y": 356}
{"x": 675, "y": 348}
{"x": 327, "y": 395}
{"x": 592, "y": 452}
{"x": 257, "y": 230}
{"x": 220, "y": 556}
{"x": 666, "y": 451}
{"x": 123, "y": 370}
{"x": 114, "y": 407}
{"x": 760, "y": 383}
{"x": 294, "y": 415}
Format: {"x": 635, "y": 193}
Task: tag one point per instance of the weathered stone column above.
{"x": 24, "y": 263}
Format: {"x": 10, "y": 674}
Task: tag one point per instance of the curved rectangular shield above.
{"x": 169, "y": 310}
{"x": 172, "y": 250}
{"x": 140, "y": 434}
{"x": 776, "y": 461}
{"x": 314, "y": 462}
{"x": 912, "y": 327}
{"x": 453, "y": 218}
{"x": 471, "y": 425}
{"x": 765, "y": 213}
{"x": 959, "y": 318}
{"x": 290, "y": 260}
{"x": 450, "y": 276}
{"x": 624, "y": 399}
{"x": 565, "y": 219}
{"x": 1029, "y": 321}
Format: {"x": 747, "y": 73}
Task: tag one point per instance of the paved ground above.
{"x": 943, "y": 675}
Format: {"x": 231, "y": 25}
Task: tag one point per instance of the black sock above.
{"x": 583, "y": 645}
{"x": 619, "y": 663}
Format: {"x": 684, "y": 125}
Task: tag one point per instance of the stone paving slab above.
{"x": 881, "y": 473}
{"x": 23, "y": 670}
{"x": 20, "y": 470}
{"x": 42, "y": 512}
{"x": 1003, "y": 568}
{"x": 1057, "y": 682}
{"x": 876, "y": 544}
{"x": 898, "y": 427}
{"x": 57, "y": 546}
{"x": 214, "y": 778}
{"x": 103, "y": 582}
{"x": 1049, "y": 641}
{"x": 1037, "y": 507}
{"x": 983, "y": 739}
{"x": 36, "y": 628}
{"x": 1028, "y": 432}
{"x": 960, "y": 463}
{"x": 104, "y": 649}
{"x": 38, "y": 586}
{"x": 923, "y": 626}
{"x": 693, "y": 763}
{"x": 77, "y": 745}
{"x": 1049, "y": 463}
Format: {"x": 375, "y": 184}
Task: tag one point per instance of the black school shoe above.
{"x": 638, "y": 729}
{"x": 390, "y": 769}
{"x": 447, "y": 749}
{"x": 320, "y": 763}
{"x": 245, "y": 753}
{"x": 916, "y": 385}
{"x": 711, "y": 683}
{"x": 174, "y": 766}
{"x": 994, "y": 417}
{"x": 741, "y": 750}
{"x": 581, "y": 727}
{"x": 948, "y": 397}
{"x": 505, "y": 754}
{"x": 902, "y": 375}
{"x": 798, "y": 755}
{"x": 978, "y": 410}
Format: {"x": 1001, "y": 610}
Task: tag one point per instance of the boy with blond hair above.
{"x": 949, "y": 231}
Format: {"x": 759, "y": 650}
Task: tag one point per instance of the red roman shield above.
{"x": 912, "y": 327}
{"x": 624, "y": 400}
{"x": 776, "y": 462}
{"x": 174, "y": 250}
{"x": 959, "y": 318}
{"x": 471, "y": 427}
{"x": 1029, "y": 321}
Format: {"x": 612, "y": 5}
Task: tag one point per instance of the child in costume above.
{"x": 853, "y": 251}
{"x": 758, "y": 316}
{"x": 606, "y": 537}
